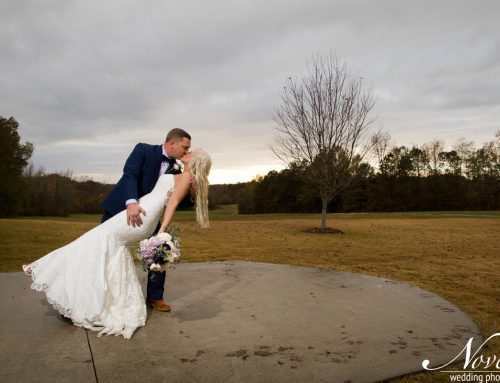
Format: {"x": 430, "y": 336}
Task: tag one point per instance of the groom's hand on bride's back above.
{"x": 134, "y": 211}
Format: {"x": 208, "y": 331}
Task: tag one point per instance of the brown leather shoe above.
{"x": 159, "y": 305}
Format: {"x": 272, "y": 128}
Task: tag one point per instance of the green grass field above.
{"x": 454, "y": 254}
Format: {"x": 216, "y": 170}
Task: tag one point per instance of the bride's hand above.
{"x": 185, "y": 159}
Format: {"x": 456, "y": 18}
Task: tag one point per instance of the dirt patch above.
{"x": 326, "y": 230}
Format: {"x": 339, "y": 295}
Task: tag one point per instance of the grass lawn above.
{"x": 454, "y": 254}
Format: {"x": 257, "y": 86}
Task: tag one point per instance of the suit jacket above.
{"x": 140, "y": 173}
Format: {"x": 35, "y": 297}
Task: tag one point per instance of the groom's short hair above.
{"x": 177, "y": 135}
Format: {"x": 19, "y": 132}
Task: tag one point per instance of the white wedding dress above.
{"x": 93, "y": 279}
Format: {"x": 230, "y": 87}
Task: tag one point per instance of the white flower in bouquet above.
{"x": 155, "y": 267}
{"x": 164, "y": 237}
{"x": 171, "y": 256}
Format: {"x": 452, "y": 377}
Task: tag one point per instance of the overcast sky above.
{"x": 87, "y": 80}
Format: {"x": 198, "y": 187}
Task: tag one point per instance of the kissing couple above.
{"x": 92, "y": 280}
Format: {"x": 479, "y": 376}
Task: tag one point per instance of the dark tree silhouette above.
{"x": 14, "y": 157}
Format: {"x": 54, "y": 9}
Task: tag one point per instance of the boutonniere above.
{"x": 176, "y": 167}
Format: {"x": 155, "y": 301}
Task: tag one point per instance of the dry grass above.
{"x": 455, "y": 257}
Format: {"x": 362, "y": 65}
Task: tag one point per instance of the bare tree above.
{"x": 432, "y": 150}
{"x": 322, "y": 123}
{"x": 464, "y": 150}
{"x": 380, "y": 144}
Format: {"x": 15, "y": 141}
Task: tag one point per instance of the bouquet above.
{"x": 159, "y": 252}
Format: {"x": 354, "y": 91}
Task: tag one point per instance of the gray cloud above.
{"x": 94, "y": 78}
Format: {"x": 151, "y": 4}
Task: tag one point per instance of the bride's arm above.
{"x": 181, "y": 189}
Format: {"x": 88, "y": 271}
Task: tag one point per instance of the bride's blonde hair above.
{"x": 200, "y": 167}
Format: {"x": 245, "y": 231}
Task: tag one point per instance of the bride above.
{"x": 93, "y": 280}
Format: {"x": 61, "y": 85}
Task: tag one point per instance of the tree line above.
{"x": 406, "y": 179}
{"x": 26, "y": 191}
{"x": 399, "y": 178}
{"x": 60, "y": 194}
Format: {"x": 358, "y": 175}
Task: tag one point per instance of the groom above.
{"x": 142, "y": 169}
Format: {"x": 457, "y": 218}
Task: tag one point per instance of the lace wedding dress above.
{"x": 93, "y": 279}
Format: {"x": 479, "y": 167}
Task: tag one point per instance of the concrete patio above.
{"x": 241, "y": 322}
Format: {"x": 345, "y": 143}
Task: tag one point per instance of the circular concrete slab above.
{"x": 256, "y": 322}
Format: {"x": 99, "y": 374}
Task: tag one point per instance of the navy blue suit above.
{"x": 140, "y": 173}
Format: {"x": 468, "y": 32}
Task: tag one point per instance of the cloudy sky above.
{"x": 87, "y": 80}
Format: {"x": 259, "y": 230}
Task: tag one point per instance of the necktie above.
{"x": 171, "y": 162}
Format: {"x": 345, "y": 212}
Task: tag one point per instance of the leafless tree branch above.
{"x": 323, "y": 121}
